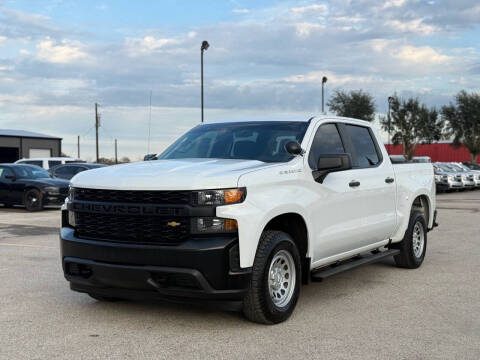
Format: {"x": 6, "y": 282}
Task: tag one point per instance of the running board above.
{"x": 328, "y": 271}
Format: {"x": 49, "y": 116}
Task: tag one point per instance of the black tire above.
{"x": 258, "y": 305}
{"x": 33, "y": 200}
{"x": 407, "y": 257}
{"x": 104, "y": 298}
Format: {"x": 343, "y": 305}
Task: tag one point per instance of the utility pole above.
{"x": 78, "y": 146}
{"x": 390, "y": 100}
{"x": 204, "y": 47}
{"x": 97, "y": 124}
{"x": 324, "y": 80}
{"x": 116, "y": 155}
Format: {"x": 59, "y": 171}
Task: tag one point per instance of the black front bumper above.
{"x": 199, "y": 270}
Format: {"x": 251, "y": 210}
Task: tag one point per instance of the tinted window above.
{"x": 326, "y": 141}
{"x": 33, "y": 162}
{"x": 4, "y": 172}
{"x": 66, "y": 171}
{"x": 263, "y": 141}
{"x": 52, "y": 163}
{"x": 365, "y": 152}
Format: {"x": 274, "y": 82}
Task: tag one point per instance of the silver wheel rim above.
{"x": 418, "y": 239}
{"x": 281, "y": 278}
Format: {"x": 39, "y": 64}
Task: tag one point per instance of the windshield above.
{"x": 31, "y": 172}
{"x": 263, "y": 141}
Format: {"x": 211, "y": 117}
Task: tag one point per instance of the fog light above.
{"x": 213, "y": 225}
{"x": 71, "y": 219}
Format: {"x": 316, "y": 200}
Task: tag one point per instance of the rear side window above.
{"x": 67, "y": 171}
{"x": 52, "y": 163}
{"x": 326, "y": 141}
{"x": 365, "y": 152}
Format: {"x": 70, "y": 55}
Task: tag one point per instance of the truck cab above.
{"x": 242, "y": 213}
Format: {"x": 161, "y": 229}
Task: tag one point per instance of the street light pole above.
{"x": 204, "y": 47}
{"x": 390, "y": 99}
{"x": 324, "y": 80}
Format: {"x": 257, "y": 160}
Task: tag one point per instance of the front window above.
{"x": 263, "y": 141}
{"x": 31, "y": 172}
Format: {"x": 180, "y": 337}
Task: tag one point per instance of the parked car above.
{"x": 31, "y": 186}
{"x": 67, "y": 171}
{"x": 421, "y": 159}
{"x": 244, "y": 212}
{"x": 446, "y": 179}
{"x": 466, "y": 175}
{"x": 473, "y": 174}
{"x": 48, "y": 163}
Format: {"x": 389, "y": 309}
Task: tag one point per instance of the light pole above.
{"x": 390, "y": 100}
{"x": 324, "y": 80}
{"x": 204, "y": 47}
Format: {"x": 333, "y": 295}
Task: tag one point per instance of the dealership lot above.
{"x": 429, "y": 313}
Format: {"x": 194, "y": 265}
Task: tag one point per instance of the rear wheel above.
{"x": 33, "y": 200}
{"x": 414, "y": 244}
{"x": 276, "y": 276}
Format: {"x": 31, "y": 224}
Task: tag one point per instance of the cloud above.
{"x": 416, "y": 26}
{"x": 3, "y": 39}
{"x": 240, "y": 11}
{"x": 63, "y": 53}
{"x": 424, "y": 55}
{"x": 314, "y": 9}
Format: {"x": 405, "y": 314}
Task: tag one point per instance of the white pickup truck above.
{"x": 242, "y": 213}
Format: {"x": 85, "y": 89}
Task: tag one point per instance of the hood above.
{"x": 181, "y": 174}
{"x": 50, "y": 182}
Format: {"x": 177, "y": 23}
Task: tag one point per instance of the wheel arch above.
{"x": 294, "y": 225}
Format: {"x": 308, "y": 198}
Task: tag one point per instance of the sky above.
{"x": 266, "y": 60}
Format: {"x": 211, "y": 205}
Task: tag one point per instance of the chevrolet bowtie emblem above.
{"x": 173, "y": 223}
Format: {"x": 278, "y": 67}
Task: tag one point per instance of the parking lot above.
{"x": 373, "y": 312}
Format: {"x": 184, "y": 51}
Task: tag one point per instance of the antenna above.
{"x": 149, "y": 123}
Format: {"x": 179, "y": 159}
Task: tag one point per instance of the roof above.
{"x": 24, "y": 133}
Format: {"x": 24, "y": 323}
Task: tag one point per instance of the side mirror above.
{"x": 328, "y": 163}
{"x": 294, "y": 148}
{"x": 11, "y": 177}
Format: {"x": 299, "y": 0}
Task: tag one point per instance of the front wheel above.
{"x": 276, "y": 276}
{"x": 414, "y": 244}
{"x": 33, "y": 200}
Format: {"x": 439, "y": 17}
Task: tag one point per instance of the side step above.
{"x": 323, "y": 273}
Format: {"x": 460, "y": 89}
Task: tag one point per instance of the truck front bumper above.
{"x": 199, "y": 270}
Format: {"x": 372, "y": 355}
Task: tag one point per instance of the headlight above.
{"x": 464, "y": 177}
{"x": 52, "y": 190}
{"x": 451, "y": 177}
{"x": 220, "y": 197}
{"x": 438, "y": 177}
{"x": 213, "y": 225}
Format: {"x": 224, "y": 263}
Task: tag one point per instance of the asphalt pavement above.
{"x": 373, "y": 312}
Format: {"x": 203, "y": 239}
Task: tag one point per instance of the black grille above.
{"x": 133, "y": 229}
{"x": 133, "y": 196}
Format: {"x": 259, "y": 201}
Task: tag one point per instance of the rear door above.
{"x": 375, "y": 188}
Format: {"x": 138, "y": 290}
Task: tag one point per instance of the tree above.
{"x": 412, "y": 123}
{"x": 355, "y": 104}
{"x": 463, "y": 122}
{"x": 125, "y": 159}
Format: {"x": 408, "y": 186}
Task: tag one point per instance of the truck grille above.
{"x": 132, "y": 229}
{"x": 133, "y": 196}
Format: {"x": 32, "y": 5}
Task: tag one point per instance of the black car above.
{"x": 67, "y": 171}
{"x": 31, "y": 186}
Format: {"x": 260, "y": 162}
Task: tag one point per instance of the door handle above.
{"x": 389, "y": 180}
{"x": 354, "y": 183}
